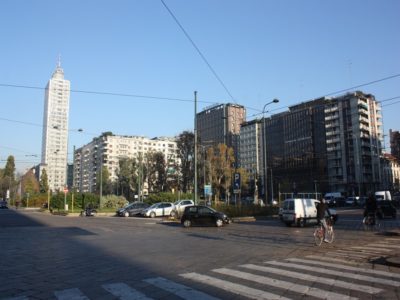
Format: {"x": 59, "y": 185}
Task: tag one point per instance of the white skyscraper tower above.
{"x": 55, "y": 129}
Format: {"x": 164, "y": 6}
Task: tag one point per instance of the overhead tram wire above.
{"x": 198, "y": 50}
{"x": 338, "y": 92}
{"x": 109, "y": 94}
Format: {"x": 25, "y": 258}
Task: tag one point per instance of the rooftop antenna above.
{"x": 59, "y": 61}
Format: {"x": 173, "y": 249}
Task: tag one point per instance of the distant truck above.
{"x": 383, "y": 195}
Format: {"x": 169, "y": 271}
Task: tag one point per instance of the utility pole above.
{"x": 195, "y": 147}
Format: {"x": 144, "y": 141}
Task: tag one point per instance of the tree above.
{"x": 43, "y": 184}
{"x": 185, "y": 145}
{"x": 7, "y": 178}
{"x": 105, "y": 181}
{"x": 128, "y": 176}
{"x": 9, "y": 169}
{"x": 29, "y": 183}
{"x": 221, "y": 159}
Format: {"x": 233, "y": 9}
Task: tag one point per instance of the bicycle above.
{"x": 371, "y": 222}
{"x": 319, "y": 232}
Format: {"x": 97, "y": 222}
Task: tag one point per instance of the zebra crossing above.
{"x": 316, "y": 276}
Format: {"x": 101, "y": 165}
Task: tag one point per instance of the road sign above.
{"x": 236, "y": 183}
{"x": 207, "y": 190}
{"x": 65, "y": 190}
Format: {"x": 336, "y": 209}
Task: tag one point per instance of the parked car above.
{"x": 180, "y": 205}
{"x": 159, "y": 210}
{"x": 203, "y": 215}
{"x": 301, "y": 212}
{"x": 3, "y": 205}
{"x": 386, "y": 209}
{"x": 132, "y": 209}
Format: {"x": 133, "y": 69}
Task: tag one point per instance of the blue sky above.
{"x": 291, "y": 50}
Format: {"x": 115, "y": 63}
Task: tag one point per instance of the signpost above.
{"x": 65, "y": 198}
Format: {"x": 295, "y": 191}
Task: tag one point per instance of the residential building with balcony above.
{"x": 395, "y": 143}
{"x": 354, "y": 139}
{"x": 106, "y": 151}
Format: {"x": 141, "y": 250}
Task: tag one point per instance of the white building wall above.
{"x": 55, "y": 129}
{"x": 113, "y": 148}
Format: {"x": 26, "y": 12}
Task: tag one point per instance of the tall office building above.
{"x": 220, "y": 124}
{"x": 55, "y": 129}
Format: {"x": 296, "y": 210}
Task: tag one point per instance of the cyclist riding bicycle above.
{"x": 370, "y": 208}
{"x": 322, "y": 213}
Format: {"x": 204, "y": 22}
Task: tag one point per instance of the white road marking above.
{"x": 179, "y": 289}
{"x": 371, "y": 249}
{"x": 124, "y": 291}
{"x": 231, "y": 287}
{"x": 332, "y": 259}
{"x": 348, "y": 268}
{"x": 287, "y": 285}
{"x": 352, "y": 253}
{"x": 384, "y": 246}
{"x": 319, "y": 279}
{"x": 70, "y": 294}
{"x": 337, "y": 273}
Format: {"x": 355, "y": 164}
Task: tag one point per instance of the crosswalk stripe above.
{"x": 337, "y": 273}
{"x": 179, "y": 289}
{"x": 298, "y": 288}
{"x": 234, "y": 288}
{"x": 385, "y": 246}
{"x": 393, "y": 239}
{"x": 332, "y": 259}
{"x": 124, "y": 291}
{"x": 347, "y": 268}
{"x": 312, "y": 278}
{"x": 352, "y": 253}
{"x": 70, "y": 294}
{"x": 371, "y": 249}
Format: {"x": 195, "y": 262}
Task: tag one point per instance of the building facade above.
{"x": 354, "y": 138}
{"x": 55, "y": 129}
{"x": 220, "y": 124}
{"x": 395, "y": 143}
{"x": 106, "y": 151}
{"x": 250, "y": 154}
{"x": 390, "y": 173}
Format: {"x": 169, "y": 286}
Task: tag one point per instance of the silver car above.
{"x": 160, "y": 209}
{"x": 180, "y": 205}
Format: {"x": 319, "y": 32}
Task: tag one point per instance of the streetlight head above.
{"x": 275, "y": 100}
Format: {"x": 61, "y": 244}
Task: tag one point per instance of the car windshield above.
{"x": 154, "y": 205}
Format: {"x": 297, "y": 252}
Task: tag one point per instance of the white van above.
{"x": 301, "y": 211}
{"x": 383, "y": 195}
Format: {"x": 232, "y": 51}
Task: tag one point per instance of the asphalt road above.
{"x": 55, "y": 257}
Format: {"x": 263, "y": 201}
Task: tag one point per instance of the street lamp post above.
{"x": 265, "y": 149}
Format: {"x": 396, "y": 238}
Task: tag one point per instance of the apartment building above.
{"x": 354, "y": 139}
{"x": 395, "y": 143}
{"x": 55, "y": 129}
{"x": 106, "y": 151}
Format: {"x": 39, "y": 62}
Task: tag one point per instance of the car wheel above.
{"x": 126, "y": 214}
{"x": 219, "y": 222}
{"x": 187, "y": 223}
{"x": 152, "y": 214}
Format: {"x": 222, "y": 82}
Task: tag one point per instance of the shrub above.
{"x": 112, "y": 201}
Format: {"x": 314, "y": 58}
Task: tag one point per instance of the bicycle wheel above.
{"x": 318, "y": 236}
{"x": 330, "y": 235}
